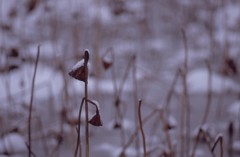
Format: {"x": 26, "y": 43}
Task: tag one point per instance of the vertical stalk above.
{"x": 79, "y": 132}
{"x": 31, "y": 104}
{"x": 209, "y": 94}
{"x": 135, "y": 93}
{"x": 86, "y": 57}
{"x": 185, "y": 101}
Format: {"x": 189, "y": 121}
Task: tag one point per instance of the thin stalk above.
{"x": 134, "y": 72}
{"x": 166, "y": 131}
{"x": 114, "y": 80}
{"x": 122, "y": 83}
{"x": 167, "y": 109}
{"x": 141, "y": 128}
{"x": 209, "y": 94}
{"x": 196, "y": 143}
{"x": 201, "y": 132}
{"x": 171, "y": 91}
{"x": 78, "y": 145}
{"x": 118, "y": 92}
{"x": 120, "y": 89}
{"x": 86, "y": 57}
{"x": 31, "y": 105}
{"x": 117, "y": 97}
{"x": 131, "y": 138}
{"x": 44, "y": 142}
{"x": 218, "y": 140}
{"x": 185, "y": 101}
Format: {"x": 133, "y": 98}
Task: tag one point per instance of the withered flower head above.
{"x": 80, "y": 70}
{"x": 107, "y": 59}
{"x": 79, "y": 73}
{"x": 96, "y": 119}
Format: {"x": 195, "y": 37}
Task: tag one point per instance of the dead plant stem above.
{"x": 135, "y": 93}
{"x": 209, "y": 94}
{"x": 131, "y": 138}
{"x": 218, "y": 140}
{"x": 141, "y": 128}
{"x": 78, "y": 145}
{"x": 185, "y": 109}
{"x": 201, "y": 132}
{"x": 31, "y": 104}
{"x": 86, "y": 57}
{"x": 117, "y": 99}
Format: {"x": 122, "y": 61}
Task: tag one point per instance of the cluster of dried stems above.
{"x": 161, "y": 114}
{"x": 81, "y": 74}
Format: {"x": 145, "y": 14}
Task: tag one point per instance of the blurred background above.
{"x": 180, "y": 57}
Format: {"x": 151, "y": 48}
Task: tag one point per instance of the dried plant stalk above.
{"x": 31, "y": 104}
{"x": 219, "y": 139}
{"x": 86, "y": 58}
{"x": 209, "y": 93}
{"x": 185, "y": 110}
{"x": 132, "y": 137}
{"x": 141, "y": 128}
{"x": 78, "y": 145}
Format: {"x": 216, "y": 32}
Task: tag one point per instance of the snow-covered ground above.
{"x": 148, "y": 30}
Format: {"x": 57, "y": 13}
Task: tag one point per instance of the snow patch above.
{"x": 197, "y": 82}
{"x": 234, "y": 109}
{"x": 126, "y": 125}
{"x": 236, "y": 146}
{"x": 13, "y": 143}
{"x": 115, "y": 151}
{"x": 47, "y": 82}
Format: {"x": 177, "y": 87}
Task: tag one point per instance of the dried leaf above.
{"x": 79, "y": 74}
{"x": 106, "y": 64}
{"x": 96, "y": 120}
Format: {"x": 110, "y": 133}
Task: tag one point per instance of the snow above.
{"x": 156, "y": 44}
{"x": 123, "y": 47}
{"x": 79, "y": 64}
{"x": 52, "y": 29}
{"x": 126, "y": 124}
{"x": 104, "y": 86}
{"x": 86, "y": 9}
{"x": 193, "y": 57}
{"x": 200, "y": 153}
{"x": 115, "y": 151}
{"x": 13, "y": 143}
{"x": 208, "y": 128}
{"x": 234, "y": 109}
{"x": 97, "y": 104}
{"x": 48, "y": 49}
{"x": 236, "y": 146}
{"x": 172, "y": 121}
{"x": 108, "y": 56}
{"x": 197, "y": 82}
{"x": 47, "y": 82}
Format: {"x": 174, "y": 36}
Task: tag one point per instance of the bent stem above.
{"x": 141, "y": 128}
{"x": 206, "y": 137}
{"x": 133, "y": 136}
{"x": 31, "y": 104}
{"x": 218, "y": 140}
{"x": 78, "y": 145}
